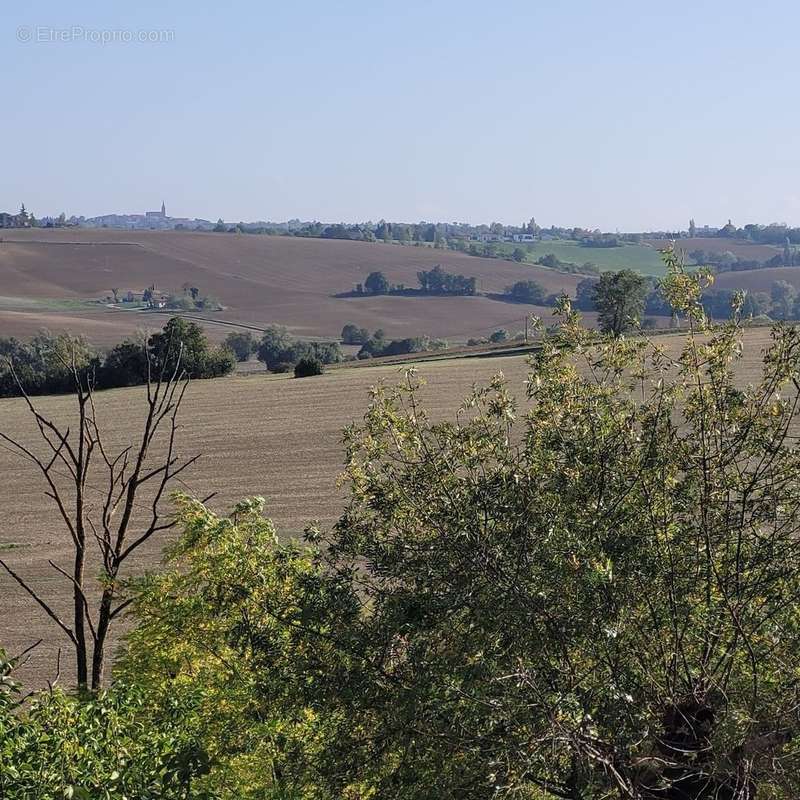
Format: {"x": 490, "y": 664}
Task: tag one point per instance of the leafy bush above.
{"x": 500, "y": 335}
{"x": 185, "y": 344}
{"x": 282, "y": 367}
{"x": 45, "y": 364}
{"x": 277, "y": 347}
{"x": 437, "y": 281}
{"x": 352, "y": 334}
{"x": 395, "y": 347}
{"x": 242, "y": 343}
{"x": 526, "y": 292}
{"x": 306, "y": 367}
{"x": 376, "y": 283}
{"x": 112, "y": 745}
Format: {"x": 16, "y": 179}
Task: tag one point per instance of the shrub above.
{"x": 352, "y": 334}
{"x": 277, "y": 347}
{"x": 307, "y": 367}
{"x": 44, "y": 364}
{"x": 526, "y": 292}
{"x": 241, "y": 343}
{"x": 500, "y": 335}
{"x": 125, "y": 365}
{"x": 282, "y": 366}
{"x": 376, "y": 283}
{"x": 186, "y": 342}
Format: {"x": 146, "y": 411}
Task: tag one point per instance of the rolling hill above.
{"x": 60, "y": 279}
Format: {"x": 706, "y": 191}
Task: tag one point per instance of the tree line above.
{"x": 436, "y": 281}
{"x": 625, "y": 299}
{"x": 48, "y": 364}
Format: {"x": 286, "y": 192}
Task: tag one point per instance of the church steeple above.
{"x": 163, "y": 209}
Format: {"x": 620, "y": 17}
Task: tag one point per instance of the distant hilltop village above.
{"x": 150, "y": 220}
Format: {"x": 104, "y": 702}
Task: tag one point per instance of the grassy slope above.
{"x": 640, "y": 258}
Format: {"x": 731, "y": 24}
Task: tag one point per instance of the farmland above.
{"x": 742, "y": 249}
{"x": 644, "y": 259}
{"x": 61, "y": 279}
{"x": 254, "y": 441}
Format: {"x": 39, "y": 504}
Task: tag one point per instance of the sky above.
{"x": 613, "y": 114}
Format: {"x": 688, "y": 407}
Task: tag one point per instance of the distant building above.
{"x": 522, "y": 237}
{"x": 21, "y": 220}
{"x": 157, "y": 214}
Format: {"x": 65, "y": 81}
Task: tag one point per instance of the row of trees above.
{"x": 352, "y": 334}
{"x": 552, "y": 261}
{"x": 48, "y": 363}
{"x": 280, "y": 352}
{"x": 726, "y": 261}
{"x": 526, "y": 292}
{"x": 377, "y": 345}
{"x": 622, "y": 298}
{"x": 437, "y": 281}
{"x": 433, "y": 281}
{"x": 589, "y": 593}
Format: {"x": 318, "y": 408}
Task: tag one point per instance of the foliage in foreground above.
{"x": 594, "y": 596}
{"x": 103, "y": 746}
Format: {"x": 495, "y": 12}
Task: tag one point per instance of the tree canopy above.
{"x": 619, "y": 298}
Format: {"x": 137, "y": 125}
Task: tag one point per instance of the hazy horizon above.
{"x": 603, "y": 117}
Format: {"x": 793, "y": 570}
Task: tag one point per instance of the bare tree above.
{"x": 121, "y": 520}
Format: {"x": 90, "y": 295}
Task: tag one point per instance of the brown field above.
{"x": 758, "y": 280}
{"x": 256, "y": 442}
{"x": 260, "y": 280}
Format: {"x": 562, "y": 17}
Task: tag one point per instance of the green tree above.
{"x": 376, "y": 283}
{"x": 274, "y": 344}
{"x": 125, "y": 365}
{"x": 183, "y": 345}
{"x": 307, "y": 367}
{"x": 500, "y": 335}
{"x": 601, "y": 604}
{"x": 241, "y": 343}
{"x": 237, "y": 633}
{"x": 619, "y": 298}
{"x": 784, "y": 297}
{"x": 526, "y": 292}
{"x": 352, "y": 334}
{"x": 64, "y": 746}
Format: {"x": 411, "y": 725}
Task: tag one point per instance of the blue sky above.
{"x": 619, "y": 115}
